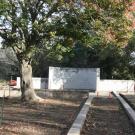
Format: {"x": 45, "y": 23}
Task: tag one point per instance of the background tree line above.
{"x": 102, "y": 36}
{"x": 114, "y": 62}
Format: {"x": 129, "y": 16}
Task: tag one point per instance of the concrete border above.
{"x": 127, "y": 107}
{"x": 79, "y": 121}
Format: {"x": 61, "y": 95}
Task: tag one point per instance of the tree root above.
{"x": 37, "y": 99}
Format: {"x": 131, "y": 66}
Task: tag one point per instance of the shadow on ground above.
{"x": 54, "y": 117}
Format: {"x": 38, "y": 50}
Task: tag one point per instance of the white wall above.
{"x": 73, "y": 78}
{"x": 80, "y": 78}
{"x": 117, "y": 85}
{"x": 38, "y": 83}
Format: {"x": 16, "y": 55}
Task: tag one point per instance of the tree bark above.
{"x": 28, "y": 93}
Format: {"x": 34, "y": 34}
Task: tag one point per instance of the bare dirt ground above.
{"x": 130, "y": 99}
{"x": 54, "y": 117}
{"x": 106, "y": 117}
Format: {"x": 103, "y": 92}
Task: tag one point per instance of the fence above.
{"x": 38, "y": 83}
{"x": 116, "y": 85}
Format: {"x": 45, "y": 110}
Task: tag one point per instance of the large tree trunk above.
{"x": 28, "y": 93}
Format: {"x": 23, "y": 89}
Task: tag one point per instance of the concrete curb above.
{"x": 127, "y": 107}
{"x": 79, "y": 121}
{"x": 11, "y": 93}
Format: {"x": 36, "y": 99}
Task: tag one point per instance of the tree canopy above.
{"x": 95, "y": 36}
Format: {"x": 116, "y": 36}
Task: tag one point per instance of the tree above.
{"x": 88, "y": 37}
{"x": 25, "y": 26}
{"x": 98, "y": 34}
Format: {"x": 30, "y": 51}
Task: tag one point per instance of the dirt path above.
{"x": 106, "y": 117}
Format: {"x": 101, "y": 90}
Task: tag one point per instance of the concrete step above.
{"x": 129, "y": 110}
{"x": 4, "y": 87}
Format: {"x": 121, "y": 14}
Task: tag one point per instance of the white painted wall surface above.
{"x": 73, "y": 78}
{"x": 38, "y": 83}
{"x": 116, "y": 85}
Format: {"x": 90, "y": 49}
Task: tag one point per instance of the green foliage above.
{"x": 88, "y": 33}
{"x": 25, "y": 25}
